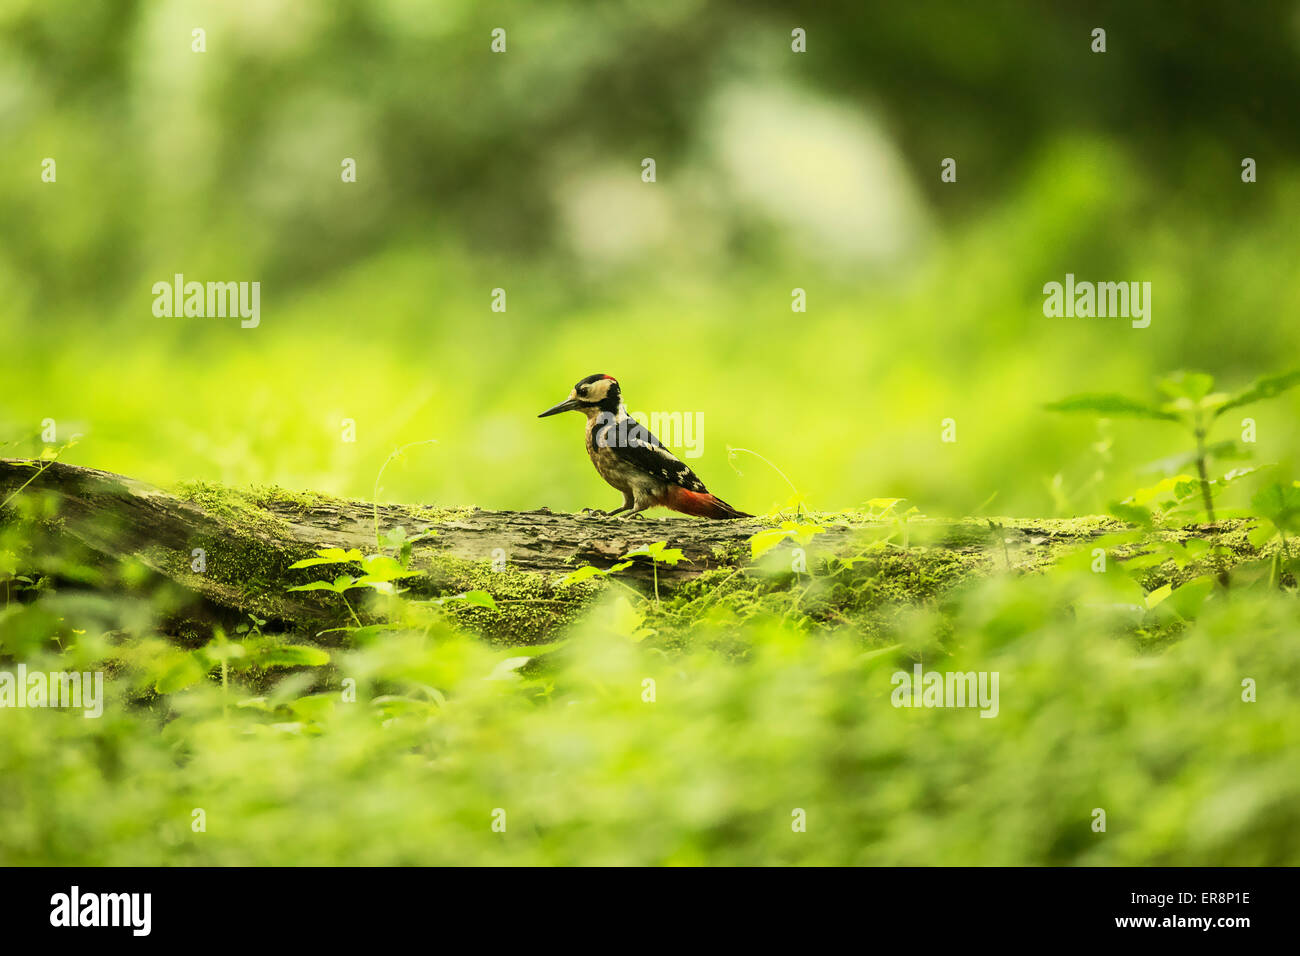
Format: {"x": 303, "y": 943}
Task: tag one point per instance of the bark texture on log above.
{"x": 250, "y": 538}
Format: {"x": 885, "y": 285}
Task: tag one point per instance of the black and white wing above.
{"x": 633, "y": 444}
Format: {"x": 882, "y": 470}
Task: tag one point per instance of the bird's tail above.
{"x": 702, "y": 504}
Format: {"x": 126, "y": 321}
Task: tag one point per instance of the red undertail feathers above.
{"x": 702, "y": 504}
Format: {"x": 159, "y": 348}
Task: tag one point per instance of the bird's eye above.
{"x": 582, "y": 391}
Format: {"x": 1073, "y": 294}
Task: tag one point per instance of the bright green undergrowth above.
{"x": 697, "y": 728}
{"x": 746, "y": 726}
{"x": 1147, "y": 675}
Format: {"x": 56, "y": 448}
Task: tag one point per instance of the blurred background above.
{"x": 522, "y": 171}
{"x": 774, "y": 171}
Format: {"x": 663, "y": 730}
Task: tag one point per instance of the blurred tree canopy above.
{"x": 775, "y": 170}
{"x": 183, "y": 151}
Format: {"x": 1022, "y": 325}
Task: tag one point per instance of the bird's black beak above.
{"x": 568, "y": 405}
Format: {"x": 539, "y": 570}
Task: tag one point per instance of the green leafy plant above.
{"x": 48, "y": 456}
{"x": 658, "y": 553}
{"x": 380, "y": 572}
{"x": 1279, "y": 505}
{"x": 474, "y": 598}
{"x": 396, "y": 540}
{"x": 177, "y": 670}
{"x": 887, "y": 509}
{"x": 1191, "y": 402}
{"x": 1172, "y": 497}
{"x": 1159, "y": 505}
{"x": 767, "y": 539}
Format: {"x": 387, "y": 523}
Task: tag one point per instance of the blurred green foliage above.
{"x": 521, "y": 171}
{"x": 775, "y": 171}
{"x": 736, "y": 739}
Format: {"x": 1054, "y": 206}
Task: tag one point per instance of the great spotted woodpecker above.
{"x": 633, "y": 460}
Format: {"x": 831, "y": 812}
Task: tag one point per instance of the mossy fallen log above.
{"x": 220, "y": 553}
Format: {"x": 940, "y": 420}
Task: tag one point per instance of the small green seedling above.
{"x": 1278, "y": 504}
{"x": 379, "y": 572}
{"x": 473, "y": 598}
{"x": 657, "y": 553}
{"x": 767, "y": 539}
{"x": 49, "y": 455}
{"x": 1190, "y": 401}
{"x": 178, "y": 669}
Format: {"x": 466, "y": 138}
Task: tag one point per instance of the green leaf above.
{"x": 1133, "y": 514}
{"x": 338, "y": 585}
{"x": 1190, "y": 597}
{"x": 1226, "y": 450}
{"x": 394, "y": 706}
{"x": 1192, "y": 386}
{"x": 1256, "y": 573}
{"x": 1141, "y": 562}
{"x": 765, "y": 541}
{"x": 626, "y": 621}
{"x": 1261, "y": 535}
{"x": 478, "y": 599}
{"x": 586, "y": 574}
{"x": 183, "y": 672}
{"x": 381, "y": 585}
{"x": 1280, "y": 504}
{"x": 508, "y": 669}
{"x": 314, "y": 706}
{"x": 1267, "y": 387}
{"x": 1167, "y": 492}
{"x": 1111, "y": 405}
{"x": 224, "y": 651}
{"x": 802, "y": 532}
{"x": 1236, "y": 474}
{"x": 659, "y": 552}
{"x": 383, "y": 567}
{"x": 328, "y": 556}
{"x": 1158, "y": 595}
{"x": 290, "y": 655}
